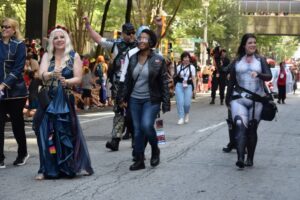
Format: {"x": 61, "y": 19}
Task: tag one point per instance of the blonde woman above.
{"x": 13, "y": 90}
{"x": 63, "y": 150}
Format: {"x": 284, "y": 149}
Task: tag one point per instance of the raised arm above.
{"x": 93, "y": 34}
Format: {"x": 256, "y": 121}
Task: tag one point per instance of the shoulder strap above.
{"x": 72, "y": 58}
{"x": 190, "y": 75}
{"x": 181, "y": 68}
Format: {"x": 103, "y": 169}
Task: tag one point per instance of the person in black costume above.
{"x": 248, "y": 72}
{"x": 219, "y": 75}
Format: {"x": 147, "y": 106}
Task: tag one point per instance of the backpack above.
{"x": 99, "y": 73}
{"x": 123, "y": 48}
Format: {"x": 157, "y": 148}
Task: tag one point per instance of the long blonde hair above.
{"x": 15, "y": 26}
{"x": 51, "y": 50}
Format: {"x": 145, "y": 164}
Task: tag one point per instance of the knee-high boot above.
{"x": 240, "y": 136}
{"x": 155, "y": 154}
{"x": 251, "y": 141}
{"x": 231, "y": 144}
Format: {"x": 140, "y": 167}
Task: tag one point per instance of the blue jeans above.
{"x": 143, "y": 114}
{"x": 183, "y": 99}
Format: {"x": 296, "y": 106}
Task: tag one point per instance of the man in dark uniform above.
{"x": 219, "y": 75}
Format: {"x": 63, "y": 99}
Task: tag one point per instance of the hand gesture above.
{"x": 254, "y": 74}
{"x": 158, "y": 21}
{"x": 57, "y": 73}
{"x": 63, "y": 81}
{"x": 85, "y": 19}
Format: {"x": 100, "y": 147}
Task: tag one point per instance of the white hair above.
{"x": 68, "y": 46}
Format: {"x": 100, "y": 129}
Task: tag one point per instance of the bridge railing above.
{"x": 271, "y": 6}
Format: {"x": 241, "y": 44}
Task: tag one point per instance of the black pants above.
{"x": 218, "y": 83}
{"x": 281, "y": 93}
{"x": 14, "y": 108}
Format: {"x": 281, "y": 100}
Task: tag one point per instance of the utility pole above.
{"x": 205, "y": 4}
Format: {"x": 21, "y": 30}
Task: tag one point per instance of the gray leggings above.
{"x": 243, "y": 108}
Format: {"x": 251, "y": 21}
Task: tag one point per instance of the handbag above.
{"x": 43, "y": 97}
{"x": 269, "y": 110}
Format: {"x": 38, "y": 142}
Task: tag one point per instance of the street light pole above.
{"x": 205, "y": 4}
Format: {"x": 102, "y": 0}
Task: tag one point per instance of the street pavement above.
{"x": 193, "y": 166}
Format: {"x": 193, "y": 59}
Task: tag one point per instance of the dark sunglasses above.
{"x": 129, "y": 33}
{"x": 5, "y": 27}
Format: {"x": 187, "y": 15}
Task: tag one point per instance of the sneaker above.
{"x": 21, "y": 160}
{"x": 2, "y": 165}
{"x": 40, "y": 177}
{"x": 180, "y": 121}
{"x": 186, "y": 118}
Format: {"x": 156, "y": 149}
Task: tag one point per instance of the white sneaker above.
{"x": 2, "y": 165}
{"x": 86, "y": 108}
{"x": 186, "y": 118}
{"x": 180, "y": 121}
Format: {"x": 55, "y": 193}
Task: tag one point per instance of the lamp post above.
{"x": 205, "y": 4}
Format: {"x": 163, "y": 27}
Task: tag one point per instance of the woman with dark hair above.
{"x": 184, "y": 87}
{"x": 145, "y": 88}
{"x": 248, "y": 72}
{"x": 13, "y": 90}
{"x": 281, "y": 77}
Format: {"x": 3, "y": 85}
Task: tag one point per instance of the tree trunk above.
{"x": 171, "y": 20}
{"x": 99, "y": 50}
{"x": 128, "y": 11}
{"x": 52, "y": 14}
{"x": 104, "y": 16}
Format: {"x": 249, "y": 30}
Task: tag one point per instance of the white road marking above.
{"x": 211, "y": 127}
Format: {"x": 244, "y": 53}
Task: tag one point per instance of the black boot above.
{"x": 212, "y": 101}
{"x": 155, "y": 154}
{"x": 222, "y": 102}
{"x": 240, "y": 135}
{"x": 251, "y": 142}
{"x": 126, "y": 136}
{"x": 139, "y": 162}
{"x": 113, "y": 144}
{"x": 231, "y": 144}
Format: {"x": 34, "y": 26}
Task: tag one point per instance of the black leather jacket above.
{"x": 158, "y": 81}
{"x": 265, "y": 75}
{"x": 12, "y": 62}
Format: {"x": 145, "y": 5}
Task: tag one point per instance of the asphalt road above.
{"x": 192, "y": 167}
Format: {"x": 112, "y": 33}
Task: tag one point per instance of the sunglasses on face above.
{"x": 5, "y": 27}
{"x": 142, "y": 39}
{"x": 129, "y": 33}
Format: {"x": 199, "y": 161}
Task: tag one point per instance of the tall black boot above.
{"x": 212, "y": 101}
{"x": 240, "y": 136}
{"x": 231, "y": 144}
{"x": 113, "y": 144}
{"x": 251, "y": 142}
{"x": 222, "y": 101}
{"x": 155, "y": 156}
{"x": 138, "y": 163}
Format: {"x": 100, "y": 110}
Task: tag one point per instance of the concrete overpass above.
{"x": 272, "y": 25}
{"x": 271, "y": 17}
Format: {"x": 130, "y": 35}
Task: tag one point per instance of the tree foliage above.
{"x": 14, "y": 9}
{"x": 184, "y": 19}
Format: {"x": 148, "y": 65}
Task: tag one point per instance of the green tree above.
{"x": 14, "y": 9}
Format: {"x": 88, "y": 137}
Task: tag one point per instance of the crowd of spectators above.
{"x": 92, "y": 93}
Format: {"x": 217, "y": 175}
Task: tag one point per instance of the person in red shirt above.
{"x": 281, "y": 83}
